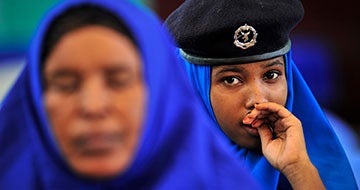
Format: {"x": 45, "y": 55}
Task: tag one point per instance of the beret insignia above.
{"x": 245, "y": 37}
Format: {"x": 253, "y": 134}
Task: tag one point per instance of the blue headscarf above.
{"x": 322, "y": 145}
{"x": 175, "y": 150}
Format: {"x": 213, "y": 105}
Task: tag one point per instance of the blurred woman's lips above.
{"x": 96, "y": 143}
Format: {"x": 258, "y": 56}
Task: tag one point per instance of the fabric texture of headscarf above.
{"x": 322, "y": 144}
{"x": 176, "y": 151}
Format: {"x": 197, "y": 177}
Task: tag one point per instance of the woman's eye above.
{"x": 119, "y": 81}
{"x": 62, "y": 84}
{"x": 68, "y": 87}
{"x": 271, "y": 75}
{"x": 63, "y": 81}
{"x": 231, "y": 80}
{"x": 64, "y": 87}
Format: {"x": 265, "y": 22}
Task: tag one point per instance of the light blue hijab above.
{"x": 175, "y": 151}
{"x": 322, "y": 145}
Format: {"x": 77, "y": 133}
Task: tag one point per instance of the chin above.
{"x": 100, "y": 168}
{"x": 102, "y": 175}
{"x": 251, "y": 144}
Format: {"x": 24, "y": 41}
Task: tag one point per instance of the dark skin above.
{"x": 240, "y": 87}
{"x": 258, "y": 92}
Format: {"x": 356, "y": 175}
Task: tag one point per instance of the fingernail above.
{"x": 253, "y": 123}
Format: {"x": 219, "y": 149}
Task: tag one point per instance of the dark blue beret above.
{"x": 216, "y": 32}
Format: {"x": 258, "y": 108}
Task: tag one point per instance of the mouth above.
{"x": 251, "y": 130}
{"x": 96, "y": 144}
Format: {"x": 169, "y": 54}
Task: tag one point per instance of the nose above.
{"x": 255, "y": 93}
{"x": 93, "y": 100}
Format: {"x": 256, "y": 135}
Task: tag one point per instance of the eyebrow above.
{"x": 240, "y": 70}
{"x": 273, "y": 63}
{"x": 229, "y": 69}
{"x": 68, "y": 72}
{"x": 62, "y": 73}
{"x": 117, "y": 69}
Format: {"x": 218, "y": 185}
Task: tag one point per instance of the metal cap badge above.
{"x": 245, "y": 37}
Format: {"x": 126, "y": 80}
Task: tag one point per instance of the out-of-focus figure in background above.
{"x": 103, "y": 103}
{"x": 317, "y": 62}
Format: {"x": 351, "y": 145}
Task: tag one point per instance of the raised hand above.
{"x": 283, "y": 143}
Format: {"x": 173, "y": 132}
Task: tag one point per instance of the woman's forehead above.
{"x": 265, "y": 63}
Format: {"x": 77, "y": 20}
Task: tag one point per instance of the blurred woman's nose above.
{"x": 93, "y": 98}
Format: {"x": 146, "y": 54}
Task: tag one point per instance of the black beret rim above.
{"x": 234, "y": 60}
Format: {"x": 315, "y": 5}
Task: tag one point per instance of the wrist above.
{"x": 303, "y": 175}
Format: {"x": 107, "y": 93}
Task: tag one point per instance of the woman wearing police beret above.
{"x": 238, "y": 55}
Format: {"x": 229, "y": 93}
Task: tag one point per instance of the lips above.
{"x": 96, "y": 143}
{"x": 251, "y": 130}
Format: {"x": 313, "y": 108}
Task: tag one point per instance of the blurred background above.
{"x": 326, "y": 47}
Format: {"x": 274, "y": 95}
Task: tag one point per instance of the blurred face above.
{"x": 95, "y": 98}
{"x": 235, "y": 89}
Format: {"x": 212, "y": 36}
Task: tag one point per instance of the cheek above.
{"x": 60, "y": 112}
{"x": 280, "y": 96}
{"x": 58, "y": 108}
{"x": 131, "y": 106}
{"x": 218, "y": 102}
{"x": 223, "y": 106}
